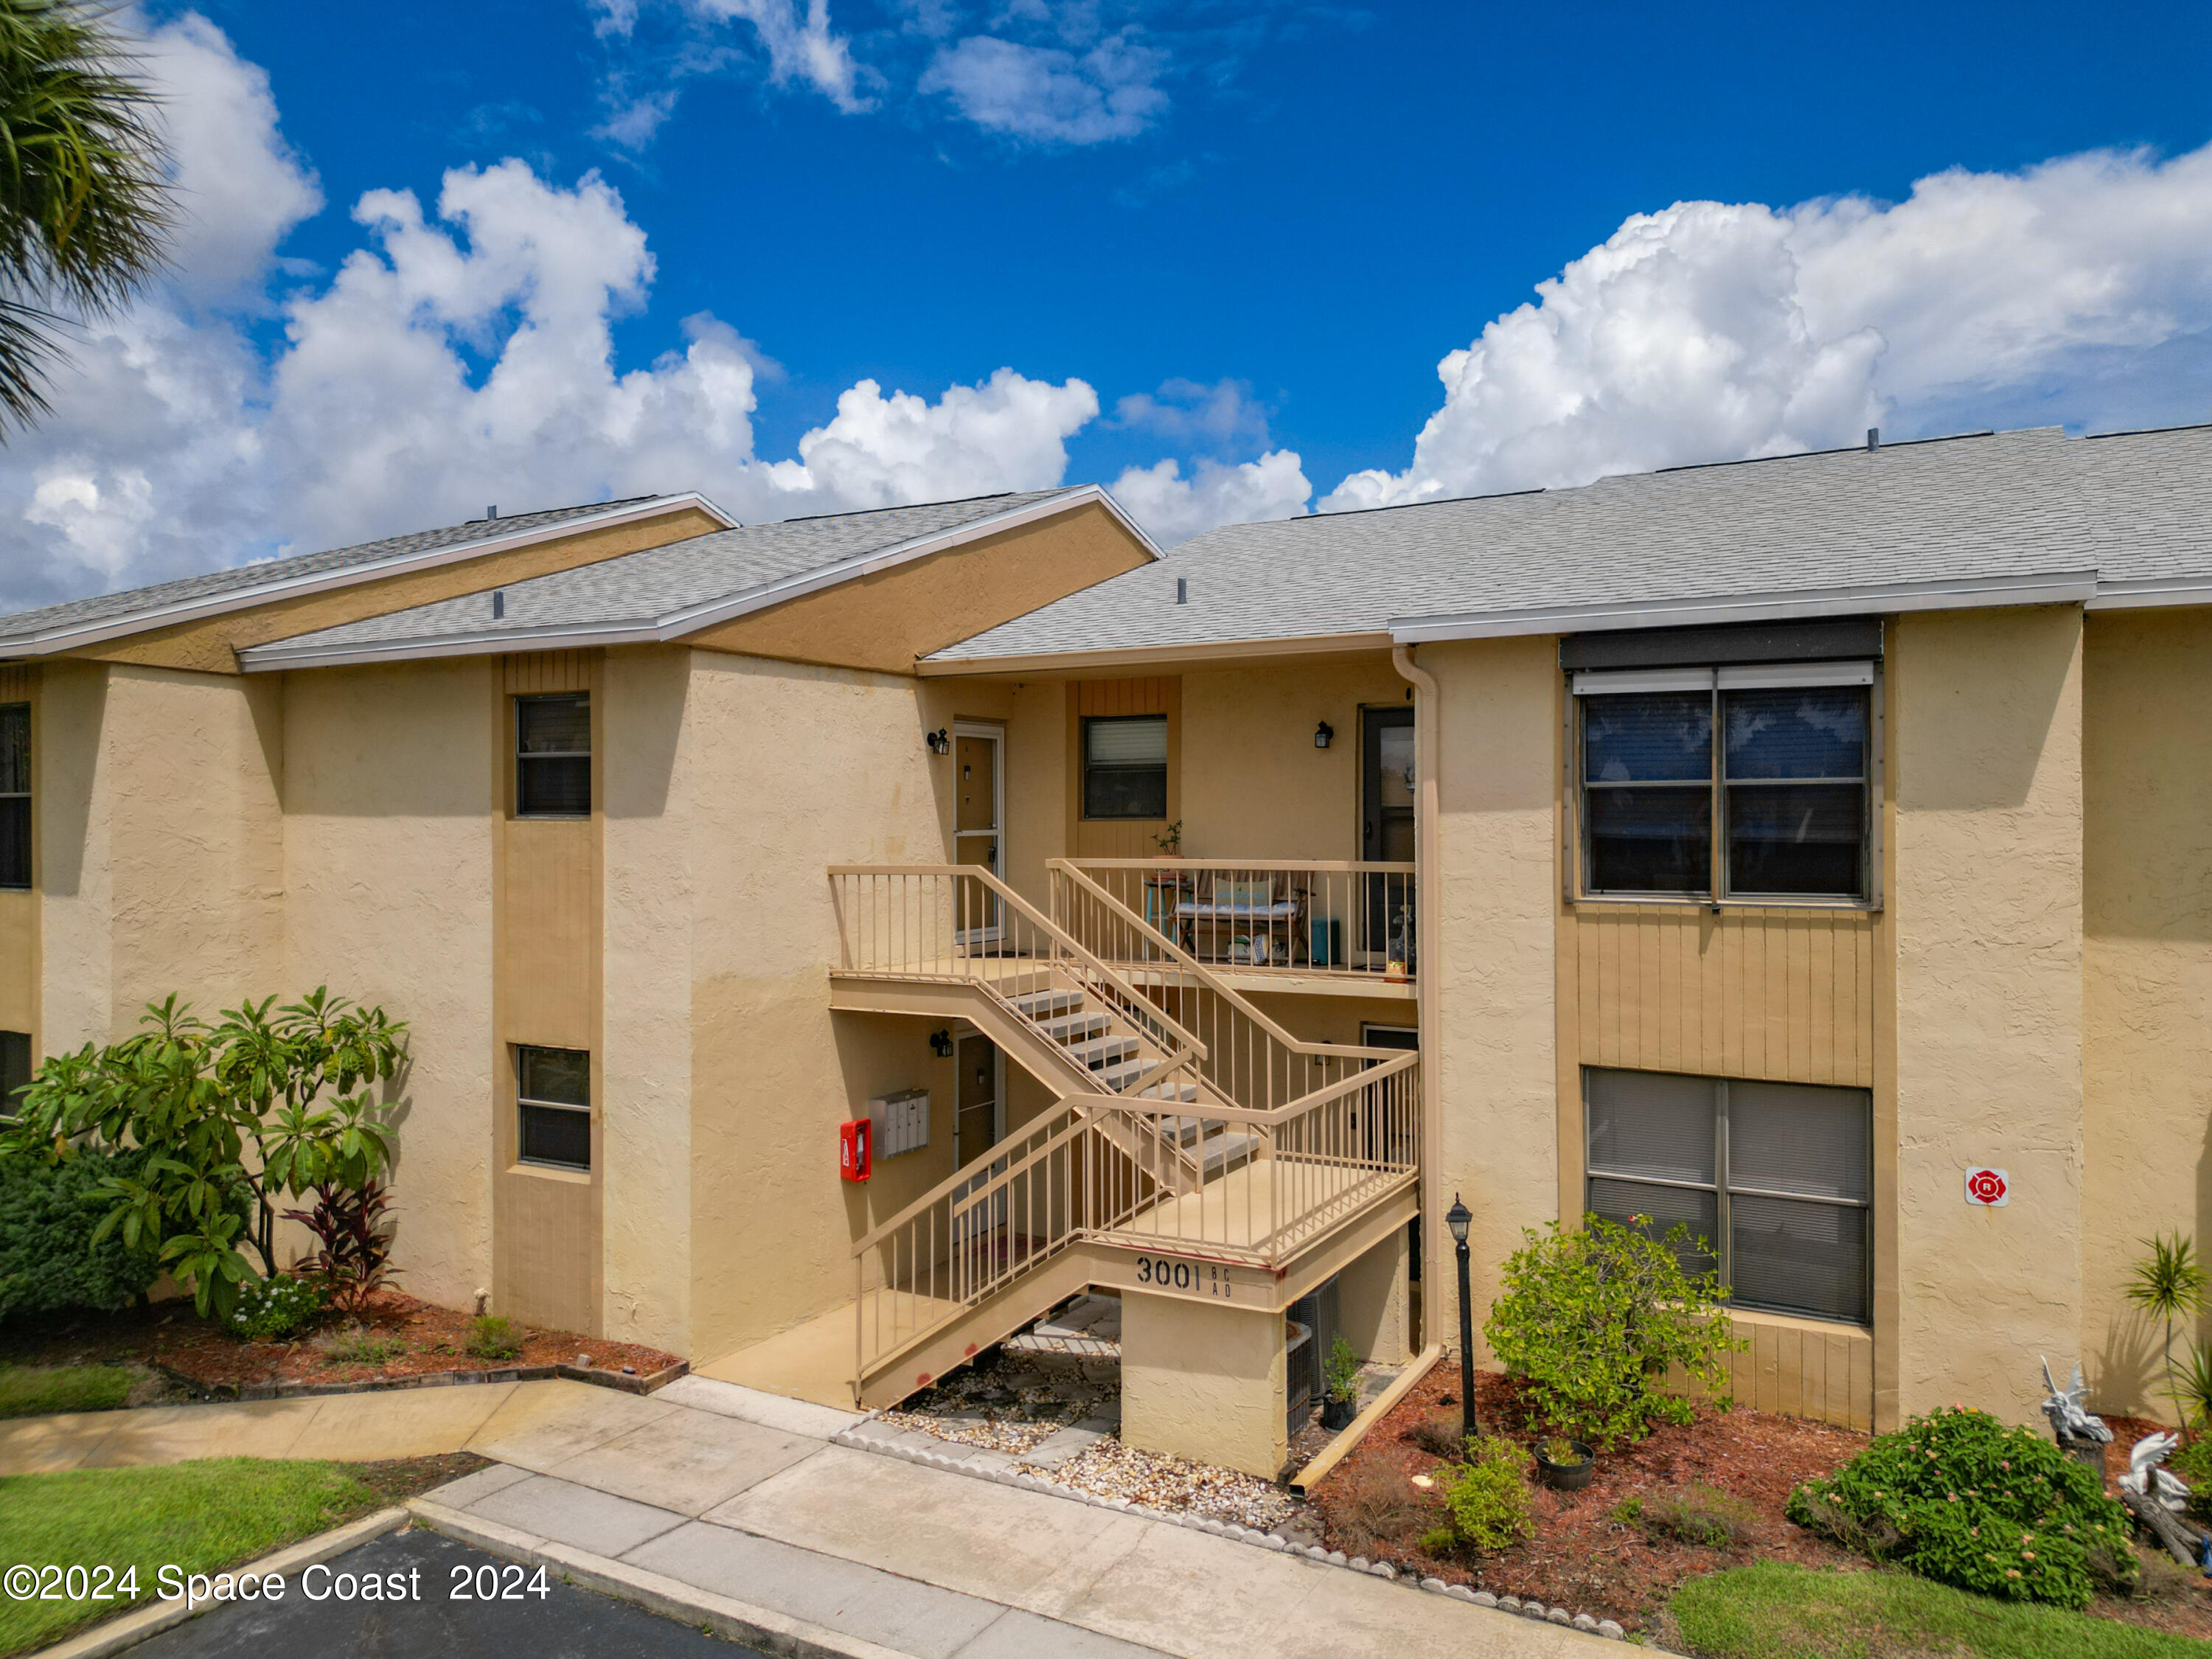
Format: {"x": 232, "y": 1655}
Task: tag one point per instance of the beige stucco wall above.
{"x": 70, "y": 804}
{"x": 1204, "y": 1382}
{"x": 1493, "y": 952}
{"x": 1988, "y": 894}
{"x": 1254, "y": 785}
{"x": 388, "y": 893}
{"x": 2147, "y": 1037}
{"x": 650, "y": 898}
{"x": 794, "y": 768}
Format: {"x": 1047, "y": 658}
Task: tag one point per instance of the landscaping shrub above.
{"x": 276, "y": 1310}
{"x": 1593, "y": 1319}
{"x": 360, "y": 1348}
{"x": 1485, "y": 1499}
{"x": 231, "y": 1117}
{"x": 1373, "y": 1512}
{"x": 2193, "y": 1463}
{"x": 1441, "y": 1435}
{"x": 49, "y": 1212}
{"x": 1702, "y": 1515}
{"x": 493, "y": 1337}
{"x": 1958, "y": 1497}
{"x": 355, "y": 1260}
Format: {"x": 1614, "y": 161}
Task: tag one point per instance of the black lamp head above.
{"x": 940, "y": 1044}
{"x": 1323, "y": 734}
{"x": 1458, "y": 1218}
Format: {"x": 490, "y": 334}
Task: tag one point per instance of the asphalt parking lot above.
{"x": 435, "y": 1606}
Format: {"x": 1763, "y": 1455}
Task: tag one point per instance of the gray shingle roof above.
{"x": 640, "y": 590}
{"x": 2131, "y": 508}
{"x": 104, "y": 607}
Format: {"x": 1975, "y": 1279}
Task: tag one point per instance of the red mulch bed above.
{"x": 1585, "y": 1559}
{"x": 436, "y": 1339}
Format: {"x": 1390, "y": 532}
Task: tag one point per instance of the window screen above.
{"x": 553, "y": 756}
{"x": 15, "y": 1068}
{"x": 1125, "y": 767}
{"x": 1781, "y": 801}
{"x": 1797, "y": 790}
{"x": 15, "y": 794}
{"x": 1648, "y": 792}
{"x": 1774, "y": 1179}
{"x": 553, "y": 1088}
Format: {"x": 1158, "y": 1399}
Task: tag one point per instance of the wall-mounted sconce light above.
{"x": 1323, "y": 734}
{"x": 940, "y": 742}
{"x": 940, "y": 1044}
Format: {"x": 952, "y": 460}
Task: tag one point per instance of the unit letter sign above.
{"x": 1987, "y": 1188}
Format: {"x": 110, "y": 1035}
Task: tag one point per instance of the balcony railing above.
{"x": 1355, "y": 920}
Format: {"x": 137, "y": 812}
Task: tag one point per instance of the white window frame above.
{"x": 1574, "y": 851}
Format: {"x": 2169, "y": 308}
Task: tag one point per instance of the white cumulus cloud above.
{"x": 461, "y": 355}
{"x": 1173, "y": 508}
{"x": 1713, "y": 332}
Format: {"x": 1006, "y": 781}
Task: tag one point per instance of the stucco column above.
{"x": 1204, "y": 1382}
{"x": 1987, "y": 911}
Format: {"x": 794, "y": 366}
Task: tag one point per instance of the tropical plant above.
{"x": 1340, "y": 1373}
{"x": 2190, "y": 1383}
{"x": 1485, "y": 1499}
{"x": 1170, "y": 841}
{"x": 1593, "y": 1319}
{"x": 1958, "y": 1497}
{"x": 2168, "y": 1284}
{"x": 355, "y": 1259}
{"x": 84, "y": 210}
{"x": 230, "y": 1118}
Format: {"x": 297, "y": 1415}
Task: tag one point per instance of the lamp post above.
{"x": 1457, "y": 1218}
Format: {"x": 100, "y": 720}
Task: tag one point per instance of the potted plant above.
{"x": 1565, "y": 1465}
{"x": 1340, "y": 1384}
{"x": 1170, "y": 841}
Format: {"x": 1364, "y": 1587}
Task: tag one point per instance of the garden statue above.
{"x": 2069, "y": 1420}
{"x": 2144, "y": 1473}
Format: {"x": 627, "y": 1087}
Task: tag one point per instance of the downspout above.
{"x": 1437, "y": 1292}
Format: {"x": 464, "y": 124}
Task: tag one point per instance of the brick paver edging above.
{"x": 627, "y": 1381}
{"x": 854, "y": 1438}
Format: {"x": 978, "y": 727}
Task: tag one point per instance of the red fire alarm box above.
{"x": 853, "y": 1149}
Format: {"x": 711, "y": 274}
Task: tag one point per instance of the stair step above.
{"x": 1044, "y": 1004}
{"x": 1219, "y": 1151}
{"x": 1104, "y": 1051}
{"x": 1118, "y": 1077}
{"x": 1073, "y": 1027}
{"x": 1183, "y": 1092}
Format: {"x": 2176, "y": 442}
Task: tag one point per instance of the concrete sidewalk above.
{"x": 725, "y": 1506}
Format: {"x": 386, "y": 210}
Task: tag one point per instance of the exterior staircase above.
{"x": 1151, "y": 1162}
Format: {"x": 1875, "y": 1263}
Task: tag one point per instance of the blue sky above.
{"x": 1265, "y": 225}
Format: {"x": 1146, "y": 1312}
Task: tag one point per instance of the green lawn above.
{"x": 1775, "y": 1611}
{"x": 199, "y": 1516}
{"x": 34, "y": 1391}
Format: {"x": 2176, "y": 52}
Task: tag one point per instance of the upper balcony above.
{"x": 1272, "y": 925}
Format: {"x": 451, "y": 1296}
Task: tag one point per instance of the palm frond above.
{"x": 84, "y": 206}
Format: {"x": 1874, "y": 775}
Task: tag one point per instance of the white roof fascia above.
{"x": 2152, "y": 591}
{"x": 1965, "y": 593}
{"x": 661, "y": 630}
{"x": 70, "y": 636}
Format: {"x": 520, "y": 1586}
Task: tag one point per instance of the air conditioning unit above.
{"x": 901, "y": 1122}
